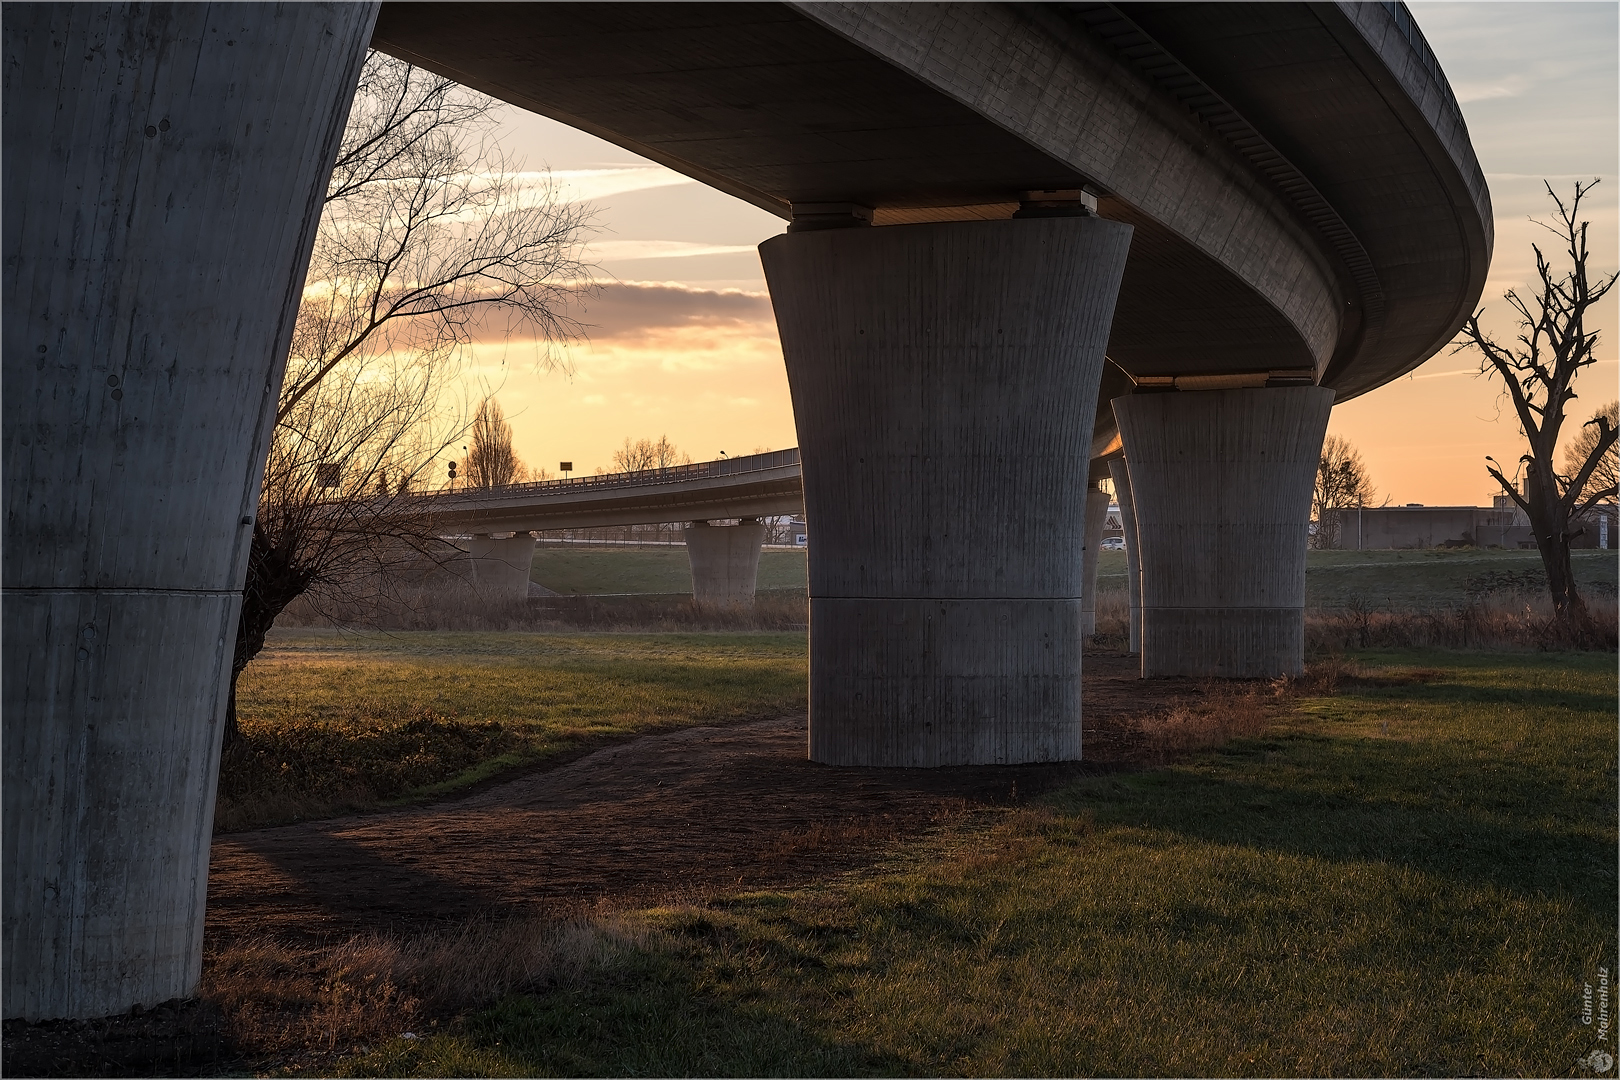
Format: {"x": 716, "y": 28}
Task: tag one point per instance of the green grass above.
{"x": 336, "y": 722}
{"x": 1424, "y": 578}
{"x": 571, "y": 569}
{"x": 1401, "y": 579}
{"x": 1436, "y": 577}
{"x": 1412, "y": 877}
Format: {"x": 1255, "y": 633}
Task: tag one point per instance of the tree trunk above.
{"x": 1550, "y": 525}
{"x": 274, "y": 580}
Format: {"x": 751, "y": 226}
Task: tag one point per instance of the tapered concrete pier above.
{"x": 1133, "y": 563}
{"x": 724, "y": 561}
{"x": 1096, "y": 518}
{"x": 1221, "y": 482}
{"x": 501, "y": 566}
{"x": 165, "y": 166}
{"x": 944, "y": 382}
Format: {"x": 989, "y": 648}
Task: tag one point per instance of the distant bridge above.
{"x": 724, "y": 558}
{"x": 755, "y": 485}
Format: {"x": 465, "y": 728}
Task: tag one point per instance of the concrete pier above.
{"x": 1221, "y": 481}
{"x": 1133, "y": 563}
{"x": 500, "y": 567}
{"x": 944, "y": 381}
{"x": 724, "y": 561}
{"x": 1096, "y": 518}
{"x": 165, "y": 166}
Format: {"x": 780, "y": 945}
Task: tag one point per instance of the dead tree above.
{"x": 1538, "y": 372}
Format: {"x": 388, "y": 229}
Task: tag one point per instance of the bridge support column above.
{"x": 944, "y": 381}
{"x": 1096, "y": 518}
{"x": 501, "y": 568}
{"x": 1133, "y": 563}
{"x": 165, "y": 167}
{"x": 725, "y": 561}
{"x": 1222, "y": 482}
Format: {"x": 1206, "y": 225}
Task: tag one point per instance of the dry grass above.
{"x": 334, "y": 723}
{"x": 1493, "y": 622}
{"x": 833, "y": 837}
{"x": 297, "y": 1005}
{"x": 1412, "y": 878}
{"x": 466, "y": 609}
{"x": 1222, "y": 711}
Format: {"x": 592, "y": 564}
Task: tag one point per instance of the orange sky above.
{"x": 682, "y": 342}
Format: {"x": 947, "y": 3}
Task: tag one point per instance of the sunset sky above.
{"x": 682, "y": 341}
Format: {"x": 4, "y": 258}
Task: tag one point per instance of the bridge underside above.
{"x": 1303, "y": 204}
{"x": 1264, "y": 242}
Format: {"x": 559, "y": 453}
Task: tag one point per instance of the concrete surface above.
{"x": 1221, "y": 482}
{"x": 749, "y": 485}
{"x": 1096, "y": 514}
{"x": 164, "y": 173}
{"x": 499, "y": 567}
{"x": 725, "y": 561}
{"x": 944, "y": 380}
{"x": 1133, "y": 564}
{"x": 1299, "y": 175}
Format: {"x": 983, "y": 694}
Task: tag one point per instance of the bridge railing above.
{"x": 672, "y": 474}
{"x": 1414, "y": 37}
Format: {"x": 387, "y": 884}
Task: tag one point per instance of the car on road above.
{"x": 1112, "y": 543}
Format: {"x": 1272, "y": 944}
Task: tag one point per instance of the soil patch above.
{"x": 667, "y": 818}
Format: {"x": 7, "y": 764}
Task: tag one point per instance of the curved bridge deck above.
{"x": 754, "y": 485}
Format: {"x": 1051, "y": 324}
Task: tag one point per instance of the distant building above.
{"x": 1417, "y": 526}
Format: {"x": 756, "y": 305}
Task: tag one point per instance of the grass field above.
{"x": 570, "y": 569}
{"x": 338, "y": 722}
{"x": 1413, "y": 876}
{"x": 1385, "y": 579}
{"x": 1435, "y": 577}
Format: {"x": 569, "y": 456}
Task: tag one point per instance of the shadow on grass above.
{"x": 644, "y": 1017}
{"x": 1512, "y": 824}
{"x": 1442, "y": 691}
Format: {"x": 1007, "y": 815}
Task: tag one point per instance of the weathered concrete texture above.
{"x": 501, "y": 567}
{"x": 164, "y": 172}
{"x": 725, "y": 561}
{"x": 1096, "y": 516}
{"x": 1133, "y": 563}
{"x": 944, "y": 384}
{"x": 1221, "y": 481}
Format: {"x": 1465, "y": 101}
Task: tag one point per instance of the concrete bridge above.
{"x": 724, "y": 558}
{"x": 1252, "y": 210}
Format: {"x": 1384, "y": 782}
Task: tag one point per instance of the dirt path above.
{"x": 661, "y": 819}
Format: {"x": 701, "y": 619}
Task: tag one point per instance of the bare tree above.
{"x": 1538, "y": 371}
{"x": 427, "y": 234}
{"x": 1342, "y": 482}
{"x": 1582, "y": 447}
{"x": 777, "y": 528}
{"x": 492, "y": 463}
{"x": 637, "y": 455}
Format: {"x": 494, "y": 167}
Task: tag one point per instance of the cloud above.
{"x": 620, "y": 250}
{"x": 638, "y": 309}
{"x": 1444, "y": 374}
{"x": 583, "y": 185}
{"x": 632, "y": 312}
{"x": 1537, "y": 176}
{"x": 1477, "y": 91}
